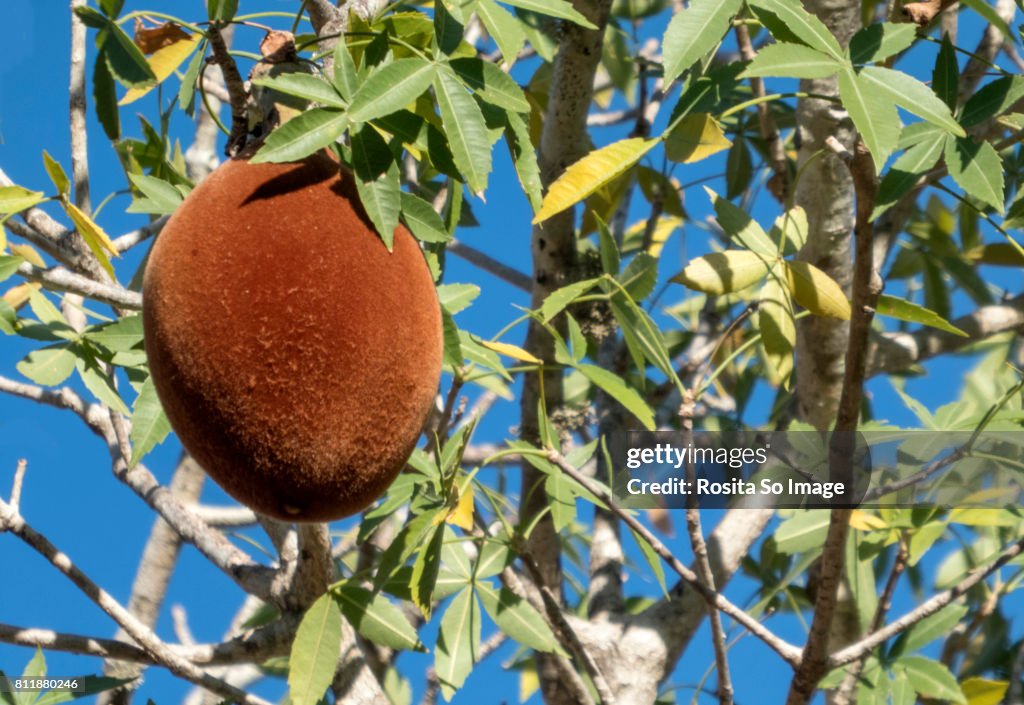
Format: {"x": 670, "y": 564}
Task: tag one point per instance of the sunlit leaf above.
{"x": 724, "y": 272}
{"x": 315, "y": 652}
{"x": 694, "y": 31}
{"x": 816, "y": 291}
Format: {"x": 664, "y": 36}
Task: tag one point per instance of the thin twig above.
{"x": 779, "y": 184}
{"x": 236, "y": 91}
{"x": 489, "y": 264}
{"x": 703, "y": 563}
{"x": 13, "y": 522}
{"x": 789, "y": 653}
{"x": 19, "y": 479}
{"x": 865, "y": 646}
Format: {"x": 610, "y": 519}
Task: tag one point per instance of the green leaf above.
{"x": 946, "y": 74}
{"x": 187, "y": 90}
{"x": 162, "y": 197}
{"x": 374, "y": 617}
{"x": 791, "y": 61}
{"x": 221, "y": 10}
{"x": 457, "y": 297}
{"x": 48, "y": 366}
{"x": 303, "y": 85}
{"x": 561, "y": 500}
{"x": 448, "y": 30}
{"x": 929, "y": 629}
{"x": 87, "y": 685}
{"x": 466, "y": 130}
{"x": 640, "y": 276}
{"x": 695, "y": 31}
{"x": 610, "y": 258}
{"x": 724, "y": 272}
{"x": 123, "y": 334}
{"x": 149, "y": 422}
{"x": 504, "y": 29}
{"x": 57, "y": 174}
{"x": 616, "y": 388}
{"x": 778, "y": 329}
{"x": 803, "y": 531}
{"x": 873, "y": 114}
{"x": 908, "y": 311}
{"x": 992, "y": 99}
{"x": 378, "y": 181}
{"x": 880, "y": 41}
{"x": 653, "y": 561}
{"x": 9, "y": 265}
{"x": 591, "y": 173}
{"x": 99, "y": 382}
{"x": 739, "y": 169}
{"x": 425, "y": 569}
{"x": 458, "y": 642}
{"x": 391, "y": 89}
{"x": 932, "y": 679}
{"x": 423, "y": 220}
{"x": 491, "y": 83}
{"x": 801, "y": 24}
{"x": 553, "y": 8}
{"x": 517, "y": 618}
{"x": 302, "y": 135}
{"x": 315, "y": 652}
{"x": 524, "y": 157}
{"x": 816, "y": 291}
{"x": 14, "y": 199}
{"x": 557, "y": 300}
{"x": 911, "y": 95}
{"x": 977, "y": 169}
{"x": 741, "y": 228}
{"x": 906, "y": 171}
{"x": 346, "y": 78}
{"x": 696, "y": 137}
{"x": 125, "y": 60}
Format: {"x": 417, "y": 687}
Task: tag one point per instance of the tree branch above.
{"x": 60, "y": 279}
{"x": 13, "y": 522}
{"x": 789, "y": 653}
{"x": 490, "y": 265}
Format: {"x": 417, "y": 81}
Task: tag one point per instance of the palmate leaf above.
{"x": 303, "y": 85}
{"x": 315, "y": 652}
{"x": 504, "y": 29}
{"x": 799, "y": 24}
{"x": 517, "y": 618}
{"x": 695, "y": 31}
{"x": 491, "y": 83}
{"x": 906, "y": 171}
{"x": 591, "y": 173}
{"x": 377, "y": 181}
{"x": 931, "y": 678}
{"x": 880, "y": 41}
{"x": 911, "y": 95}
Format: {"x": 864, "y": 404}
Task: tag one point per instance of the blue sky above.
{"x": 70, "y": 493}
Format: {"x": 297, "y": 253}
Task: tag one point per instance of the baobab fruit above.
{"x": 296, "y": 358}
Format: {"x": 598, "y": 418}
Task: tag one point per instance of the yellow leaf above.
{"x": 816, "y": 291}
{"x": 591, "y": 173}
{"x": 462, "y": 515}
{"x": 529, "y": 683}
{"x": 513, "y": 351}
{"x": 18, "y": 296}
{"x": 724, "y": 272}
{"x": 97, "y": 240}
{"x": 29, "y": 254}
{"x": 866, "y": 522}
{"x": 696, "y": 138}
{"x": 982, "y": 691}
{"x": 163, "y": 63}
{"x": 778, "y": 330}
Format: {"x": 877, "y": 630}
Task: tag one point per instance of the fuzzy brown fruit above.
{"x": 296, "y": 358}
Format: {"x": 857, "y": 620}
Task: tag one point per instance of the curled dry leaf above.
{"x": 150, "y": 40}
